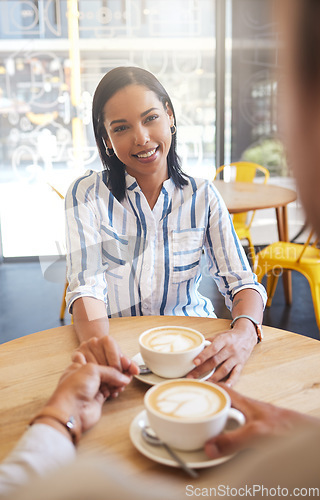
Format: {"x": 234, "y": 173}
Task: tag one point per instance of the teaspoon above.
{"x": 144, "y": 370}
{"x": 150, "y": 437}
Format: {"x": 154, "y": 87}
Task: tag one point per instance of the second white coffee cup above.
{"x": 186, "y": 413}
{"x": 169, "y": 351}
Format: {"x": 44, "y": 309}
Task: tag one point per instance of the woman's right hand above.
{"x": 96, "y": 346}
{"x": 105, "y": 351}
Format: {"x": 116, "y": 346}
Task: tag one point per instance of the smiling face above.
{"x": 139, "y": 131}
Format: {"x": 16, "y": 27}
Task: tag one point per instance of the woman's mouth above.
{"x": 146, "y": 154}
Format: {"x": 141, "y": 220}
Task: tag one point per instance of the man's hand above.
{"x": 263, "y": 423}
{"x": 82, "y": 390}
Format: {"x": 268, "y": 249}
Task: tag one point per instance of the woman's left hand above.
{"x": 228, "y": 353}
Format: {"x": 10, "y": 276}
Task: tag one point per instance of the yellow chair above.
{"x": 245, "y": 172}
{"x": 293, "y": 256}
{"x": 63, "y": 302}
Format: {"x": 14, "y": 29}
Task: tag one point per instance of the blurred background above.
{"x": 218, "y": 60}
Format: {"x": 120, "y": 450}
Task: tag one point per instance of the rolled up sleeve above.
{"x": 228, "y": 263}
{"x": 85, "y": 270}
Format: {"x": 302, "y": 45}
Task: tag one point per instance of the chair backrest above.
{"x": 307, "y": 243}
{"x": 56, "y": 191}
{"x": 245, "y": 171}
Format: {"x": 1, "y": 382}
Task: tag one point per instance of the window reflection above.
{"x": 47, "y": 136}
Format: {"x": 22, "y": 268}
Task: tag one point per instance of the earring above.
{"x": 109, "y": 152}
{"x": 173, "y": 129}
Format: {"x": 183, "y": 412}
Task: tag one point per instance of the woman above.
{"x": 136, "y": 231}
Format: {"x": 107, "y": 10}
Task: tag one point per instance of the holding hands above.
{"x": 105, "y": 351}
{"x": 85, "y": 385}
{"x": 82, "y": 390}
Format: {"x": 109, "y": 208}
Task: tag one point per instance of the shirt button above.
{"x": 146, "y": 267}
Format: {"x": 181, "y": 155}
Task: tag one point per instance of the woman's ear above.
{"x": 107, "y": 141}
{"x": 170, "y": 115}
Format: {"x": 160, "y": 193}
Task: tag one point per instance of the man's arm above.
{"x": 80, "y": 394}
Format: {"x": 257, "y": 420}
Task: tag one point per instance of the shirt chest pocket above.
{"x": 119, "y": 252}
{"x": 187, "y": 248}
{"x": 114, "y": 256}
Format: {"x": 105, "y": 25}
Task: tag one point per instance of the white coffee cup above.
{"x": 169, "y": 351}
{"x": 186, "y": 413}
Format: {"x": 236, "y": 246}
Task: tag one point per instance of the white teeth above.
{"x": 147, "y": 155}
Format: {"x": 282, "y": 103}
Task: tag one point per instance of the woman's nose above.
{"x": 141, "y": 136}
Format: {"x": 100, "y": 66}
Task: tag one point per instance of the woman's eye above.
{"x": 121, "y": 128}
{"x": 151, "y": 118}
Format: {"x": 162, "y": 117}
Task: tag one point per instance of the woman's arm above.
{"x": 90, "y": 318}
{"x": 249, "y": 302}
{"x": 92, "y": 328}
{"x": 231, "y": 271}
{"x": 230, "y": 350}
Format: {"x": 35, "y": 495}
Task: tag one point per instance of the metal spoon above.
{"x": 150, "y": 437}
{"x": 144, "y": 370}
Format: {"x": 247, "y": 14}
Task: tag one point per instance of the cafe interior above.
{"x": 219, "y": 61}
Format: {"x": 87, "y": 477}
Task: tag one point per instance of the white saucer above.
{"x": 153, "y": 379}
{"x": 194, "y": 459}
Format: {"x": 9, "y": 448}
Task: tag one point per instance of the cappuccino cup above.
{"x": 186, "y": 413}
{"x": 169, "y": 351}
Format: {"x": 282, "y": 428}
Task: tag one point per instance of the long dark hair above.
{"x": 113, "y": 81}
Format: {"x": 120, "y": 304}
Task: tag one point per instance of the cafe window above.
{"x": 252, "y": 95}
{"x": 50, "y": 64}
{"x": 252, "y": 76}
{"x": 54, "y": 52}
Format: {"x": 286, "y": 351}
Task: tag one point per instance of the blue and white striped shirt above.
{"x": 147, "y": 262}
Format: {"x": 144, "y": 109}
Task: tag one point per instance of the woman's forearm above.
{"x": 90, "y": 318}
{"x": 248, "y": 301}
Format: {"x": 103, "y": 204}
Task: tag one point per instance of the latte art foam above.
{"x": 187, "y": 401}
{"x": 171, "y": 341}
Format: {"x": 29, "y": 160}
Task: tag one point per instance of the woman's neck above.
{"x": 151, "y": 193}
{"x": 151, "y": 187}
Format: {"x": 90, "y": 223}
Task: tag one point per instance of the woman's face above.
{"x": 138, "y": 129}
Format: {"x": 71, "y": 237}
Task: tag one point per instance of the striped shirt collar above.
{"x": 167, "y": 187}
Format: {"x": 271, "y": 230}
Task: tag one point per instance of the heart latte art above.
{"x": 187, "y": 401}
{"x": 171, "y": 340}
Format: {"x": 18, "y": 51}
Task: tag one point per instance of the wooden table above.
{"x": 283, "y": 369}
{"x": 246, "y": 196}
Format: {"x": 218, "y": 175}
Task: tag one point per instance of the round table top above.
{"x": 283, "y": 370}
{"x": 246, "y": 196}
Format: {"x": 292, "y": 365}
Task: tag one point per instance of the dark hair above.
{"x": 113, "y": 81}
